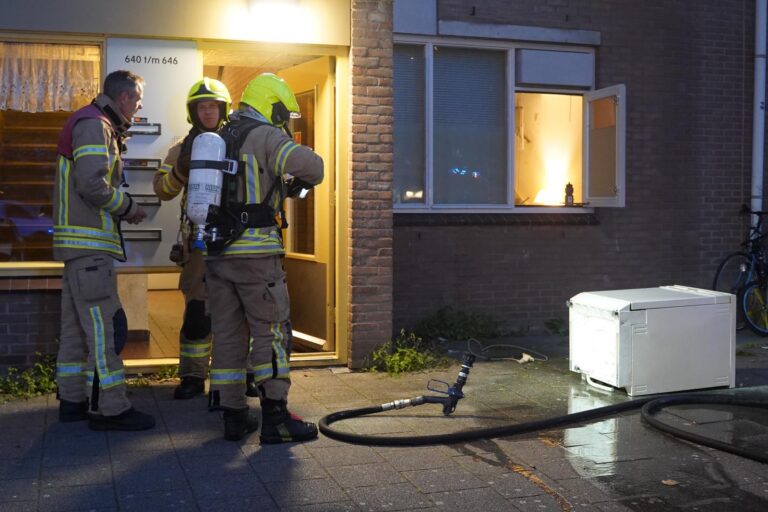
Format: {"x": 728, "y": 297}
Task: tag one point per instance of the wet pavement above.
{"x": 612, "y": 464}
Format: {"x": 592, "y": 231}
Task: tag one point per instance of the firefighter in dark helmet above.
{"x": 246, "y": 277}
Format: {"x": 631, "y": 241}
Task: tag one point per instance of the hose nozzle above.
{"x": 454, "y": 391}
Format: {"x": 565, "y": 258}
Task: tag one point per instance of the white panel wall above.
{"x": 165, "y": 92}
{"x": 542, "y": 67}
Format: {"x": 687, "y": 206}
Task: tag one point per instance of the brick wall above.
{"x": 30, "y": 313}
{"x": 688, "y": 71}
{"x": 370, "y": 185}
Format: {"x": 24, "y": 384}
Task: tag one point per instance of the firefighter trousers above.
{"x": 195, "y": 334}
{"x": 249, "y": 295}
{"x": 93, "y": 331}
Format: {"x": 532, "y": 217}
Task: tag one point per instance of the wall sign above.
{"x": 146, "y": 199}
{"x": 141, "y": 164}
{"x": 145, "y": 129}
{"x": 142, "y": 235}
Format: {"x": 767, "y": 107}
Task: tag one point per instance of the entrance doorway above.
{"x": 309, "y": 238}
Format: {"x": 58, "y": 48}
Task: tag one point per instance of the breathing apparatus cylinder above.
{"x": 205, "y": 182}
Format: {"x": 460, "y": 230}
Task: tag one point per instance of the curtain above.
{"x": 470, "y": 125}
{"x": 48, "y": 77}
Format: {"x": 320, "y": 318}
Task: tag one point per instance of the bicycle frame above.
{"x": 753, "y": 294}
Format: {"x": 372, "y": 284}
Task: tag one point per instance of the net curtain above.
{"x": 38, "y": 77}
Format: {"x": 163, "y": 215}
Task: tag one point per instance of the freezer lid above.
{"x": 652, "y": 298}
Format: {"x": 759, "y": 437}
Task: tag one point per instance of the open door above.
{"x": 309, "y": 237}
{"x": 605, "y": 113}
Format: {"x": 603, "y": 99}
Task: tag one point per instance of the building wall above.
{"x": 367, "y": 315}
{"x": 688, "y": 71}
{"x": 370, "y": 181}
{"x": 29, "y": 319}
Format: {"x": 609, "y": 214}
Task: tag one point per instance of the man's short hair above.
{"x": 121, "y": 81}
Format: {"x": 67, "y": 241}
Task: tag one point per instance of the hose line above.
{"x": 649, "y": 405}
{"x": 650, "y": 408}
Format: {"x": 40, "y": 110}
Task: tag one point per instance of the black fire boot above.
{"x": 127, "y": 420}
{"x": 281, "y": 426}
{"x": 73, "y": 411}
{"x": 250, "y": 385}
{"x": 237, "y": 423}
{"x": 190, "y": 387}
{"x": 214, "y": 401}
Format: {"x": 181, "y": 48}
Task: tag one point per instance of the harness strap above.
{"x": 234, "y": 217}
{"x": 208, "y": 164}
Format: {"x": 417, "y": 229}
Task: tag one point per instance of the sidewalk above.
{"x": 614, "y": 464}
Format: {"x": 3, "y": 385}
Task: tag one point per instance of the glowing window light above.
{"x": 555, "y": 176}
{"x": 414, "y": 194}
{"x": 272, "y": 21}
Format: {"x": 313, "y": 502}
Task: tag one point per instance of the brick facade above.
{"x": 688, "y": 71}
{"x": 30, "y": 313}
{"x": 370, "y": 181}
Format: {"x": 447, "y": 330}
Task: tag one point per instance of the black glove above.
{"x": 295, "y": 186}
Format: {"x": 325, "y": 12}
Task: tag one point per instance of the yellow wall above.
{"x": 308, "y": 21}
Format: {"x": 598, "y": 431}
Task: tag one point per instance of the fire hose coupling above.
{"x": 403, "y": 403}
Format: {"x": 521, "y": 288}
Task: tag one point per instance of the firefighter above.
{"x": 246, "y": 276}
{"x": 208, "y": 105}
{"x": 88, "y": 208}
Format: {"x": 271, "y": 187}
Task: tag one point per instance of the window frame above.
{"x": 36, "y": 268}
{"x": 428, "y": 43}
{"x": 619, "y": 92}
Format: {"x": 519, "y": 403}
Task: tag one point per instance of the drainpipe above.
{"x": 758, "y": 109}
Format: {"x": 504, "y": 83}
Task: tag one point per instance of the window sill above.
{"x": 579, "y": 208}
{"x": 31, "y": 269}
{"x": 534, "y": 217}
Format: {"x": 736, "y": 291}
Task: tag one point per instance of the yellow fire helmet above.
{"x": 271, "y": 96}
{"x": 208, "y": 89}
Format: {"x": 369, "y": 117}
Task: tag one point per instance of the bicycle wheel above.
{"x": 733, "y": 273}
{"x": 755, "y": 308}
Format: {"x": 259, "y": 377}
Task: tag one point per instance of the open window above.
{"x": 504, "y": 129}
{"x": 548, "y": 148}
{"x": 604, "y": 146}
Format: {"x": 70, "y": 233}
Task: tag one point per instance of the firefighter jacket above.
{"x": 268, "y": 154}
{"x": 88, "y": 204}
{"x": 167, "y": 183}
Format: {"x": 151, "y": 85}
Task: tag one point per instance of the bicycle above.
{"x": 745, "y": 274}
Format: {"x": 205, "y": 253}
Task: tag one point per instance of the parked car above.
{"x": 26, "y": 231}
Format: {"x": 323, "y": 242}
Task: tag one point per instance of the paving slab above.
{"x": 617, "y": 463}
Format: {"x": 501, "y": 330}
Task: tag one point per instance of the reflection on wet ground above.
{"x": 623, "y": 457}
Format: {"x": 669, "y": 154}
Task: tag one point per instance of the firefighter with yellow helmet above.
{"x": 246, "y": 275}
{"x": 208, "y": 106}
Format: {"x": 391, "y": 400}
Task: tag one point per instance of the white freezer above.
{"x": 654, "y": 340}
